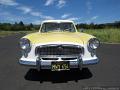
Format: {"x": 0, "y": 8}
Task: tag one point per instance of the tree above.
{"x": 21, "y": 23}
{"x": 31, "y": 25}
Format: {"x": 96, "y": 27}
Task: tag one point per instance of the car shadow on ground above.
{"x": 58, "y": 77}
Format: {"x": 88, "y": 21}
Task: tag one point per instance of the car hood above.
{"x": 61, "y": 37}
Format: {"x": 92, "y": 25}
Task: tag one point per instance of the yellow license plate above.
{"x": 58, "y": 66}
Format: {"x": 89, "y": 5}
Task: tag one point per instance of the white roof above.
{"x": 57, "y": 21}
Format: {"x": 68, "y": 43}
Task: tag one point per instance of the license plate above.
{"x": 58, "y": 66}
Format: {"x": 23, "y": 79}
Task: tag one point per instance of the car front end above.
{"x": 59, "y": 50}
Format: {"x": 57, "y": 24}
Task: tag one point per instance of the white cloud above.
{"x": 49, "y": 2}
{"x": 42, "y": 17}
{"x": 74, "y": 18}
{"x": 89, "y": 6}
{"x": 25, "y": 9}
{"x": 35, "y": 13}
{"x": 61, "y": 3}
{"x": 7, "y": 16}
{"x": 94, "y": 17}
{"x": 28, "y": 10}
{"x": 8, "y": 2}
{"x": 45, "y": 17}
{"x": 65, "y": 16}
{"x": 90, "y": 20}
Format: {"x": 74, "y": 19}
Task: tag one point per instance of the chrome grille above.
{"x": 55, "y": 50}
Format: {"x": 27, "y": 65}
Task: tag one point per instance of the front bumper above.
{"x": 46, "y": 64}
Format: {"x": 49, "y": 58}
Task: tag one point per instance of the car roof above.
{"x": 57, "y": 21}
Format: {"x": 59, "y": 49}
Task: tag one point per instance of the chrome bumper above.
{"x": 27, "y": 63}
{"x": 46, "y": 64}
{"x": 91, "y": 62}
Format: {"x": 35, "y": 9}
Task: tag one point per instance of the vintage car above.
{"x": 58, "y": 46}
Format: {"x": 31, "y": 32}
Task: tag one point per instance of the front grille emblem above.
{"x": 60, "y": 48}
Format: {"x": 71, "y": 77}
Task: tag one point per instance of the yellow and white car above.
{"x": 58, "y": 46}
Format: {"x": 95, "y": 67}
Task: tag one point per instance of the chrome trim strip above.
{"x": 31, "y": 63}
{"x": 56, "y": 56}
{"x": 90, "y": 62}
{"x": 71, "y": 45}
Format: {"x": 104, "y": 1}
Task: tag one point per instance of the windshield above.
{"x": 47, "y": 27}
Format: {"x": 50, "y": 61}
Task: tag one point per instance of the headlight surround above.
{"x": 25, "y": 44}
{"x": 93, "y": 43}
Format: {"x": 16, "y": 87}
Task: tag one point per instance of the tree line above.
{"x": 30, "y": 27}
{"x": 18, "y": 26}
{"x": 115, "y": 24}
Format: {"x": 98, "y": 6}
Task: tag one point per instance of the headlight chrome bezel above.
{"x": 93, "y": 43}
{"x": 25, "y": 44}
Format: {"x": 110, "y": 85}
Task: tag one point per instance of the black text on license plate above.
{"x": 58, "y": 66}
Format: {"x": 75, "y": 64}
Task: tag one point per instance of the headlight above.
{"x": 25, "y": 44}
{"x": 93, "y": 43}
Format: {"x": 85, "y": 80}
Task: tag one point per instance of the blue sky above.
{"x": 80, "y": 11}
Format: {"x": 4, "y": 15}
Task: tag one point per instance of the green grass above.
{"x": 8, "y": 33}
{"x": 106, "y": 35}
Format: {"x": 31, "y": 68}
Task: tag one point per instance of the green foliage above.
{"x": 106, "y": 35}
{"x": 18, "y": 27}
{"x": 115, "y": 24}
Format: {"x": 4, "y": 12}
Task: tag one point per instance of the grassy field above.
{"x": 104, "y": 35}
{"x": 8, "y": 33}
